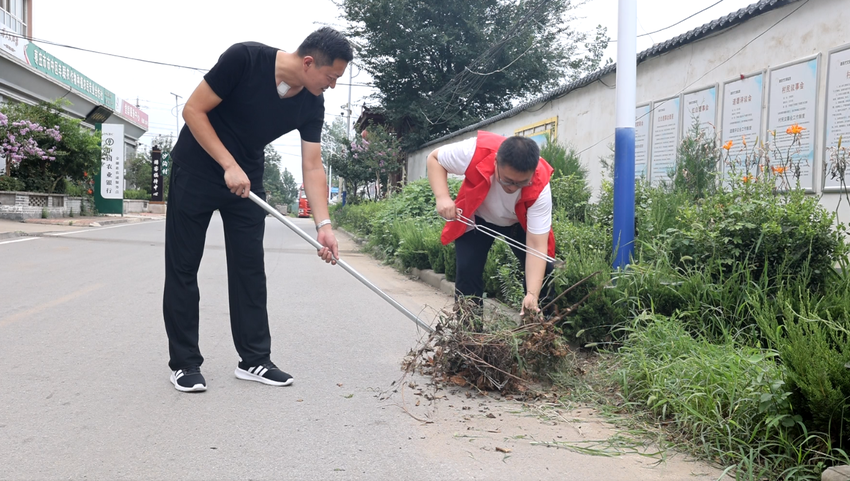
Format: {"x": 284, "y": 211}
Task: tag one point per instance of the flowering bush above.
{"x": 44, "y": 149}
{"x": 380, "y": 152}
{"x": 24, "y": 139}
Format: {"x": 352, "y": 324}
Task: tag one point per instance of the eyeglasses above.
{"x": 510, "y": 183}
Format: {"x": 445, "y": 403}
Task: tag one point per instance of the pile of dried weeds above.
{"x": 496, "y": 355}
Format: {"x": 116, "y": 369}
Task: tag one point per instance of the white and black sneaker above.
{"x": 266, "y": 373}
{"x": 189, "y": 379}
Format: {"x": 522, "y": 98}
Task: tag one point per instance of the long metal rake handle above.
{"x": 413, "y": 317}
{"x": 507, "y": 240}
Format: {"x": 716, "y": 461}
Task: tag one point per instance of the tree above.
{"x": 336, "y": 151}
{"x": 137, "y": 171}
{"x": 380, "y": 152}
{"x": 272, "y": 182}
{"x": 290, "y": 188}
{"x": 444, "y": 64}
{"x": 72, "y": 153}
{"x": 592, "y": 61}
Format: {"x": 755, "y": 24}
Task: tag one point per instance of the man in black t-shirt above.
{"x": 252, "y": 96}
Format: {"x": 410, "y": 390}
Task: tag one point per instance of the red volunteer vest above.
{"x": 476, "y": 185}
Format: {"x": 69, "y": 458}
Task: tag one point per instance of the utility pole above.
{"x": 176, "y": 118}
{"x": 624, "y": 135}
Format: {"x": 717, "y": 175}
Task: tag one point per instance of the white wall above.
{"x": 586, "y": 116}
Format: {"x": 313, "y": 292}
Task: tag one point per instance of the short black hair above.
{"x": 326, "y": 45}
{"x": 519, "y": 153}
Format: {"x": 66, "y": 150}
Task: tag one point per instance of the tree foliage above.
{"x": 290, "y": 187}
{"x": 272, "y": 180}
{"x": 137, "y": 171}
{"x": 440, "y": 65}
{"x": 336, "y": 151}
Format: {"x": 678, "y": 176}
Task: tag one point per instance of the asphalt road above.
{"x": 84, "y": 389}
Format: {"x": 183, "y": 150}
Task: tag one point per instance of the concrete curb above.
{"x": 9, "y": 235}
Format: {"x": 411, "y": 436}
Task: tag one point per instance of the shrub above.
{"x": 137, "y": 194}
{"x": 564, "y": 159}
{"x": 812, "y": 334}
{"x": 11, "y": 184}
{"x": 695, "y": 172}
{"x": 581, "y": 239}
{"x": 757, "y": 228}
{"x": 570, "y": 195}
{"x": 415, "y": 242}
{"x": 358, "y": 218}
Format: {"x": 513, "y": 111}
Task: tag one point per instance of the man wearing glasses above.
{"x": 505, "y": 188}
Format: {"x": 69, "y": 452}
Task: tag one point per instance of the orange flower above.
{"x": 745, "y": 178}
{"x": 777, "y": 170}
{"x": 744, "y": 140}
{"x": 727, "y": 145}
{"x": 89, "y": 191}
{"x": 794, "y": 129}
{"x": 85, "y": 174}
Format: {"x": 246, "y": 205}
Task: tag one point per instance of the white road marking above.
{"x": 19, "y": 240}
{"x": 95, "y": 229}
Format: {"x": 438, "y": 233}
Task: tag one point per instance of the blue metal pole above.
{"x": 624, "y": 138}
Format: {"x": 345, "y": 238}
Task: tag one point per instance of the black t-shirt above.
{"x": 251, "y": 114}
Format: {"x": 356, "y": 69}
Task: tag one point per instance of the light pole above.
{"x": 624, "y": 136}
{"x": 176, "y": 118}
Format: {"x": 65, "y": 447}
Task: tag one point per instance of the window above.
{"x": 540, "y": 131}
{"x": 13, "y": 15}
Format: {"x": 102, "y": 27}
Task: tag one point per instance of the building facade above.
{"x": 29, "y": 74}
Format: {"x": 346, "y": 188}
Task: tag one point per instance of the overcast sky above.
{"x": 194, "y": 33}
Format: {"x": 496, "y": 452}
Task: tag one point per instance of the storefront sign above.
{"x": 130, "y": 112}
{"x": 12, "y": 43}
{"x": 112, "y": 161}
{"x": 156, "y": 175}
{"x": 59, "y": 70}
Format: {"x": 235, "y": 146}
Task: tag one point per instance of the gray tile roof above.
{"x": 734, "y": 18}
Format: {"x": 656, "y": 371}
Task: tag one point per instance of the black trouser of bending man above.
{"x": 191, "y": 202}
{"x": 472, "y": 249}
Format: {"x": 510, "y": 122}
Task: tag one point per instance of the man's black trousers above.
{"x": 472, "y": 248}
{"x": 191, "y": 202}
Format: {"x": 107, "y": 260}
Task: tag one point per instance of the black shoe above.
{"x": 189, "y": 379}
{"x": 266, "y": 373}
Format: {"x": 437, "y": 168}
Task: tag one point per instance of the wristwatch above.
{"x": 322, "y": 223}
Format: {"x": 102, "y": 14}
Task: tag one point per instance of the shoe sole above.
{"x": 247, "y": 376}
{"x": 195, "y": 388}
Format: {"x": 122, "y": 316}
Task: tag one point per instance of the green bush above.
{"x": 564, "y": 159}
{"x": 571, "y": 196}
{"x": 811, "y": 331}
{"x": 757, "y": 228}
{"x": 136, "y": 194}
{"x": 503, "y": 276}
{"x": 695, "y": 172}
{"x": 11, "y": 183}
{"x": 415, "y": 242}
{"x": 358, "y": 218}
{"x": 731, "y": 398}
